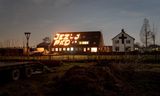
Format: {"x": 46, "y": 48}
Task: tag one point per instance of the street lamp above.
{"x": 27, "y": 34}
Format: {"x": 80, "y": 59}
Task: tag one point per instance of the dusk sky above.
{"x": 43, "y": 18}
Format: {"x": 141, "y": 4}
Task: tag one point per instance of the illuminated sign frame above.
{"x": 65, "y": 39}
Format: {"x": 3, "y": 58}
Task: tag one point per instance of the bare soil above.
{"x": 89, "y": 79}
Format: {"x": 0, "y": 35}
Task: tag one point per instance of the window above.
{"x": 88, "y": 49}
{"x": 136, "y": 48}
{"x": 68, "y": 49}
{"x": 60, "y": 49}
{"x": 83, "y": 42}
{"x": 56, "y": 49}
{"x": 116, "y": 49}
{"x": 128, "y": 48}
{"x": 128, "y": 41}
{"x": 84, "y": 49}
{"x": 64, "y": 49}
{"x": 52, "y": 49}
{"x": 72, "y": 49}
{"x": 116, "y": 41}
{"x": 94, "y": 49}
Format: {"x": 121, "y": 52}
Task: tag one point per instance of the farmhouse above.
{"x": 123, "y": 42}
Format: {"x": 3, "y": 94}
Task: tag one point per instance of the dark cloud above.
{"x": 47, "y": 16}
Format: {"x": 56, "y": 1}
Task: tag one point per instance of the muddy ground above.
{"x": 89, "y": 79}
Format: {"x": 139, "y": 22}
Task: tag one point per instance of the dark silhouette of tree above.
{"x": 46, "y": 40}
{"x": 146, "y": 35}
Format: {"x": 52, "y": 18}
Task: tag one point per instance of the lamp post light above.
{"x": 27, "y": 34}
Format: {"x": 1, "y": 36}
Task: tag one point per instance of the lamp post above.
{"x": 27, "y": 34}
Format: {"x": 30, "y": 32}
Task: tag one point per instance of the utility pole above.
{"x": 153, "y": 36}
{"x": 27, "y": 34}
{"x": 146, "y": 32}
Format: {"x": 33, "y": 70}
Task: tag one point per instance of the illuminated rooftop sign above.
{"x": 65, "y": 39}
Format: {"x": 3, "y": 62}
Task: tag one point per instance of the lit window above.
{"x": 64, "y": 49}
{"x": 60, "y": 49}
{"x": 68, "y": 49}
{"x": 56, "y": 49}
{"x": 52, "y": 49}
{"x": 84, "y": 49}
{"x": 136, "y": 48}
{"x": 83, "y": 42}
{"x": 40, "y": 49}
{"x": 94, "y": 49}
{"x": 72, "y": 49}
{"x": 86, "y": 42}
{"x": 88, "y": 49}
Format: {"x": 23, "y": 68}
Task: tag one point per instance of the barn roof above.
{"x": 43, "y": 45}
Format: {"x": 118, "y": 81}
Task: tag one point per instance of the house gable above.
{"x": 123, "y": 42}
{"x": 123, "y": 32}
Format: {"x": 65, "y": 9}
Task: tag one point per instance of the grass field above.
{"x": 110, "y": 58}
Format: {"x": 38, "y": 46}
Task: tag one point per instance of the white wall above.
{"x": 123, "y": 46}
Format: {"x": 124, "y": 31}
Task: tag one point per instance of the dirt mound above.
{"x": 93, "y": 81}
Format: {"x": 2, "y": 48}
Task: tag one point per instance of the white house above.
{"x": 122, "y": 42}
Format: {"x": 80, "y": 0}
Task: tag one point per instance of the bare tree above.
{"x": 146, "y": 35}
{"x": 46, "y": 40}
{"x": 154, "y": 35}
